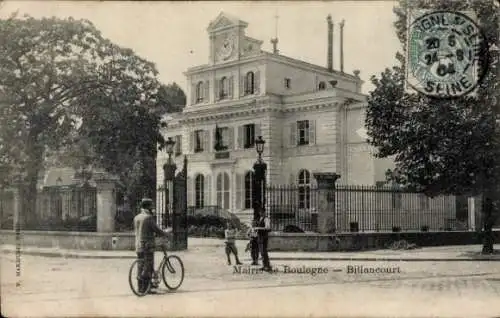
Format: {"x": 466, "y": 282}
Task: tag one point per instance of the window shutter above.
{"x": 207, "y": 92}
{"x": 216, "y": 90}
{"x": 193, "y": 94}
{"x": 242, "y": 86}
{"x": 208, "y": 190}
{"x": 293, "y": 134}
{"x": 191, "y": 141}
{"x": 312, "y": 132}
{"x": 258, "y": 131}
{"x": 240, "y": 193}
{"x": 241, "y": 137}
{"x": 256, "y": 80}
{"x": 292, "y": 179}
{"x": 230, "y": 132}
{"x": 230, "y": 86}
{"x": 190, "y": 191}
{"x": 205, "y": 140}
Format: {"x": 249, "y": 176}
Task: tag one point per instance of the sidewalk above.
{"x": 208, "y": 246}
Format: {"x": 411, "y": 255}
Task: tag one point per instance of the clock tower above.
{"x": 227, "y": 35}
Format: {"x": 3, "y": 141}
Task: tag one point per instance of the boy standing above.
{"x": 253, "y": 245}
{"x": 230, "y": 240}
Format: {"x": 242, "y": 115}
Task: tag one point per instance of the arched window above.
{"x": 199, "y": 183}
{"x": 322, "y": 86}
{"x": 304, "y": 184}
{"x": 223, "y": 88}
{"x": 199, "y": 92}
{"x": 249, "y": 83}
{"x": 223, "y": 197}
{"x": 248, "y": 189}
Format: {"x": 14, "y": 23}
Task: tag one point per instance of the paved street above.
{"x": 54, "y": 286}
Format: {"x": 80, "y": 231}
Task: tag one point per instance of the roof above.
{"x": 224, "y": 20}
{"x": 59, "y": 177}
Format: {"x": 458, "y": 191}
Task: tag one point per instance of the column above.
{"x": 16, "y": 207}
{"x": 106, "y": 203}
{"x": 326, "y": 200}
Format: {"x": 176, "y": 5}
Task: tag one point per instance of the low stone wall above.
{"x": 277, "y": 241}
{"x": 364, "y": 241}
{"x": 71, "y": 240}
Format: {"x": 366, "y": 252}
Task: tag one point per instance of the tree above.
{"x": 171, "y": 98}
{"x": 54, "y": 72}
{"x": 441, "y": 146}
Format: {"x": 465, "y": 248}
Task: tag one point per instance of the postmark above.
{"x": 446, "y": 55}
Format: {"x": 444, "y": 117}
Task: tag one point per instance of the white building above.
{"x": 311, "y": 117}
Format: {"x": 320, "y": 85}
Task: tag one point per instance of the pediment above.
{"x": 225, "y": 20}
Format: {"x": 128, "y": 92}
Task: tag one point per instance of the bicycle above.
{"x": 166, "y": 266}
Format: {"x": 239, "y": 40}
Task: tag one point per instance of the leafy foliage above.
{"x": 70, "y": 94}
{"x": 440, "y": 146}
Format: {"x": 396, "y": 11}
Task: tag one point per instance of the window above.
{"x": 198, "y": 140}
{"x": 199, "y": 92}
{"x": 178, "y": 145}
{"x": 303, "y": 132}
{"x": 304, "y": 189}
{"x": 249, "y": 136}
{"x": 287, "y": 82}
{"x": 248, "y": 189}
{"x": 199, "y": 191}
{"x": 224, "y": 88}
{"x": 221, "y": 138}
{"x": 249, "y": 83}
{"x": 322, "y": 86}
{"x": 223, "y": 198}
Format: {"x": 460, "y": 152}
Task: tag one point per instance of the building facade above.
{"x": 311, "y": 118}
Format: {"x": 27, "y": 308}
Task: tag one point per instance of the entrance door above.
{"x": 223, "y": 191}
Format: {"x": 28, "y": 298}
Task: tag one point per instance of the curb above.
{"x": 278, "y": 258}
{"x": 70, "y": 255}
{"x": 385, "y": 259}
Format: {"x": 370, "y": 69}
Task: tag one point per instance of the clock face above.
{"x": 226, "y": 48}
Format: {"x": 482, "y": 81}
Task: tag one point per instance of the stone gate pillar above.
{"x": 326, "y": 200}
{"x": 16, "y": 209}
{"x": 106, "y": 202}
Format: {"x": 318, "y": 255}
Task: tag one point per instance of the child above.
{"x": 253, "y": 245}
{"x": 230, "y": 234}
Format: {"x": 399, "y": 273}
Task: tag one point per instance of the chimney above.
{"x": 329, "y": 56}
{"x": 342, "y": 46}
{"x": 275, "y": 45}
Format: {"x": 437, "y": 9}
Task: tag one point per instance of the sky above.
{"x": 174, "y": 35}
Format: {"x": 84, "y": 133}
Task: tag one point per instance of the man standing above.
{"x": 145, "y": 229}
{"x": 263, "y": 228}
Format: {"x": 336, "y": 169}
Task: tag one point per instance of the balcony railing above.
{"x": 222, "y": 155}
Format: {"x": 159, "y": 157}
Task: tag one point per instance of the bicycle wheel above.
{"x": 133, "y": 280}
{"x": 173, "y": 272}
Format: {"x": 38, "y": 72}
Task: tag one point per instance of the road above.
{"x": 89, "y": 287}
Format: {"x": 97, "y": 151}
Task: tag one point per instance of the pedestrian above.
{"x": 230, "y": 241}
{"x": 253, "y": 244}
{"x": 263, "y": 228}
{"x": 145, "y": 228}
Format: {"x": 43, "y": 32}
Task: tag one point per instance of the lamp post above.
{"x": 169, "y": 175}
{"x": 259, "y": 182}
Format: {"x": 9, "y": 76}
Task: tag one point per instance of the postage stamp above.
{"x": 446, "y": 53}
{"x": 249, "y": 159}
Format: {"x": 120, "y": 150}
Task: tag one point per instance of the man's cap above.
{"x": 146, "y": 203}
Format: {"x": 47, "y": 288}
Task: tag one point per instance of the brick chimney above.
{"x": 329, "y": 57}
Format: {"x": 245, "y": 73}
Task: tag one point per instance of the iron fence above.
{"x": 360, "y": 209}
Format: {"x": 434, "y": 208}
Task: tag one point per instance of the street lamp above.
{"x": 259, "y": 146}
{"x": 168, "y": 185}
{"x": 169, "y": 145}
{"x": 259, "y": 182}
